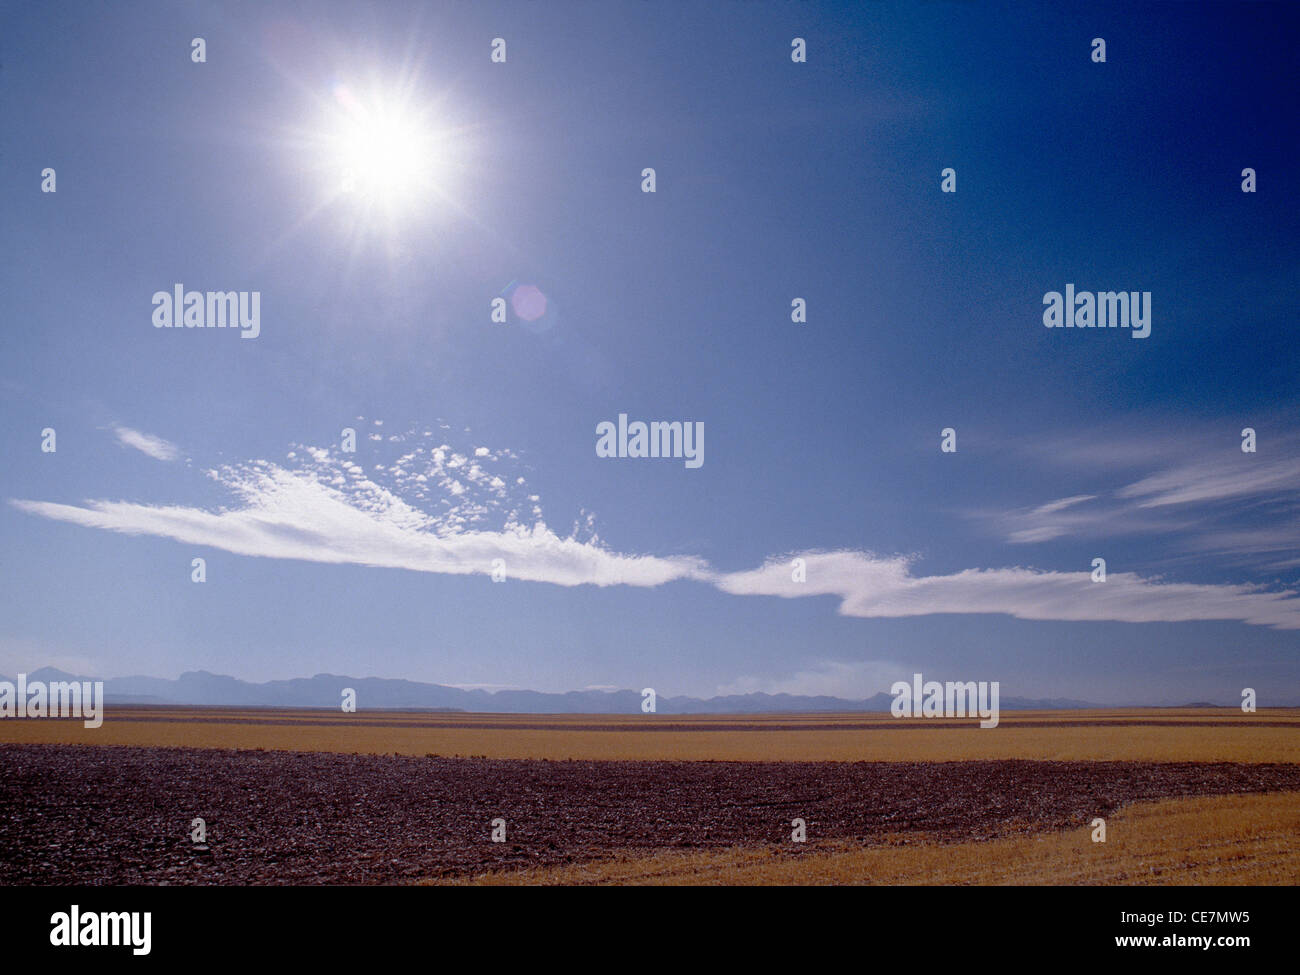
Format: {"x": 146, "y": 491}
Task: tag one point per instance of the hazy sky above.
{"x": 775, "y": 180}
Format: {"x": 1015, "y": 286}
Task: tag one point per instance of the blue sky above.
{"x": 476, "y": 440}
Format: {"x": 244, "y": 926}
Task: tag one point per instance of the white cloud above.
{"x": 1197, "y": 486}
{"x": 1234, "y": 475}
{"x": 485, "y": 687}
{"x": 155, "y": 447}
{"x": 854, "y": 680}
{"x": 1054, "y": 506}
{"x": 327, "y": 509}
{"x": 873, "y": 587}
{"x": 299, "y": 515}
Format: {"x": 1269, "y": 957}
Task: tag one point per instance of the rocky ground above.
{"x": 121, "y": 815}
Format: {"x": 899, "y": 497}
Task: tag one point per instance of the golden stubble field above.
{"x": 1214, "y": 839}
{"x": 1218, "y": 841}
{"x": 1157, "y": 735}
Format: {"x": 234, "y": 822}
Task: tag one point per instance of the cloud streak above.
{"x": 446, "y": 512}
{"x": 155, "y": 447}
{"x": 1213, "y": 499}
{"x": 869, "y": 586}
{"x": 1209, "y": 481}
{"x": 296, "y": 515}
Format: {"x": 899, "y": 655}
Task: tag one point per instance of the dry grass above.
{"x": 1224, "y": 840}
{"x": 1165, "y": 735}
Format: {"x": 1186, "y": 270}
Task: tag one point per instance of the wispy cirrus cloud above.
{"x": 155, "y": 447}
{"x": 1201, "y": 489}
{"x": 436, "y": 509}
{"x": 1048, "y": 521}
{"x": 871, "y": 586}
{"x": 296, "y": 515}
{"x": 1217, "y": 478}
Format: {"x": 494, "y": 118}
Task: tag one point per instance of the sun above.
{"x": 384, "y": 158}
{"x": 382, "y": 152}
{"x": 382, "y": 161}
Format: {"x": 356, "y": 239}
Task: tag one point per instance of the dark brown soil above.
{"x": 122, "y": 815}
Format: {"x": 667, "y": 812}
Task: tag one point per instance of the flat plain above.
{"x": 1138, "y": 735}
{"x": 1194, "y": 795}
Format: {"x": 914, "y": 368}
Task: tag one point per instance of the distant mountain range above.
{"x": 325, "y": 691}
